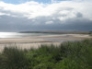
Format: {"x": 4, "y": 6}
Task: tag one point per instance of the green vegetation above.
{"x": 69, "y": 55}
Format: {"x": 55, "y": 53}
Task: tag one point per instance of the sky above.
{"x": 36, "y": 15}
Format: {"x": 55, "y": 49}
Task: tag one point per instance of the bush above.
{"x": 13, "y": 58}
{"x": 69, "y": 55}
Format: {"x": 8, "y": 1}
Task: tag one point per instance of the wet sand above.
{"x": 36, "y": 41}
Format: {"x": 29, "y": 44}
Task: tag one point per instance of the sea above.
{"x": 19, "y": 35}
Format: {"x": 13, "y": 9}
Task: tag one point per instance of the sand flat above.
{"x": 36, "y": 41}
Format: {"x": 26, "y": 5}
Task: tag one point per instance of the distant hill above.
{"x": 58, "y": 32}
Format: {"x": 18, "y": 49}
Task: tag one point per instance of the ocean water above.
{"x": 17, "y": 35}
{"x": 20, "y": 35}
{"x": 9, "y": 34}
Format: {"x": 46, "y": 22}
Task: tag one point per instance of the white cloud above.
{"x": 3, "y": 14}
{"x": 34, "y": 9}
{"x": 49, "y": 22}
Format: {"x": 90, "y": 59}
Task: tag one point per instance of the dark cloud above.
{"x": 79, "y": 15}
{"x": 8, "y": 23}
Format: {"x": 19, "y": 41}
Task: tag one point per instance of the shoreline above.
{"x": 37, "y": 41}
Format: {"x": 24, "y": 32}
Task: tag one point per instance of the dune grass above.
{"x": 69, "y": 55}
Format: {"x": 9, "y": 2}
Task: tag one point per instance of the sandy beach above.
{"x": 36, "y": 41}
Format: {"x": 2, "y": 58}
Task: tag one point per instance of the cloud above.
{"x": 32, "y": 15}
{"x": 34, "y": 9}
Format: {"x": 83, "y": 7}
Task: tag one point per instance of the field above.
{"x": 68, "y": 55}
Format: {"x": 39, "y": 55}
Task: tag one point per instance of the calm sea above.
{"x": 18, "y": 35}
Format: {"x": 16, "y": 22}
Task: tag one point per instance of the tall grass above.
{"x": 69, "y": 55}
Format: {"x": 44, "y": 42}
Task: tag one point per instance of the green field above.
{"x": 68, "y": 55}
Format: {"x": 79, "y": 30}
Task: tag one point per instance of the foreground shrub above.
{"x": 69, "y": 55}
{"x": 13, "y": 58}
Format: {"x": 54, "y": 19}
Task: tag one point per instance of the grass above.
{"x": 69, "y": 55}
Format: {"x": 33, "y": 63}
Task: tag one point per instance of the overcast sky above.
{"x": 28, "y": 15}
